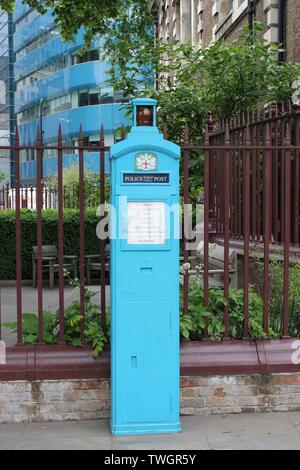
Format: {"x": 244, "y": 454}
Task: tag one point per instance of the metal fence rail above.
{"x": 251, "y": 193}
{"x": 251, "y": 197}
{"x": 28, "y": 197}
{"x": 18, "y": 197}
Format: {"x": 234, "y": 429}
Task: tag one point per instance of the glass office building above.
{"x": 6, "y": 92}
{"x": 53, "y": 81}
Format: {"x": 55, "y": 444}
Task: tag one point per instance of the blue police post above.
{"x": 145, "y": 278}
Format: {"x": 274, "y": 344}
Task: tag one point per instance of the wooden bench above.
{"x": 50, "y": 263}
{"x": 93, "y": 263}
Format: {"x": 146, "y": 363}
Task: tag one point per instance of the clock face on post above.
{"x": 146, "y": 161}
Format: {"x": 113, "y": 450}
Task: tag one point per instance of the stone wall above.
{"x": 52, "y": 400}
{"x": 43, "y": 401}
{"x": 240, "y": 394}
{"x": 293, "y": 30}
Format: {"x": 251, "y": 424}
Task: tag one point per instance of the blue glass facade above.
{"x": 6, "y": 94}
{"x": 52, "y": 80}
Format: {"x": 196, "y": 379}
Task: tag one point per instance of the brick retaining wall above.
{"x": 64, "y": 400}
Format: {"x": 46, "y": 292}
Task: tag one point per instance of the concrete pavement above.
{"x": 279, "y": 431}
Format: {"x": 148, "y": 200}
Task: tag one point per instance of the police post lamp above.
{"x": 144, "y": 233}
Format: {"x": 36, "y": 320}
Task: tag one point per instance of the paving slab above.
{"x": 266, "y": 431}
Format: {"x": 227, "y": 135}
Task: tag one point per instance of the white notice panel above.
{"x": 146, "y": 223}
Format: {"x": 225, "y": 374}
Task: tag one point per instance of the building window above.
{"x": 89, "y": 98}
{"x": 86, "y": 141}
{"x": 106, "y": 96}
{"x": 88, "y": 56}
{"x": 84, "y": 99}
{"x": 26, "y": 19}
{"x": 94, "y": 99}
{"x": 38, "y": 42}
{"x": 53, "y": 66}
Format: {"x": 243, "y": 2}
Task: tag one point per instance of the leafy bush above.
{"x": 223, "y": 78}
{"x": 276, "y": 303}
{"x": 50, "y": 237}
{"x": 93, "y": 333}
{"x": 192, "y": 326}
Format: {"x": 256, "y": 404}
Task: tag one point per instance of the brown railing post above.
{"x": 226, "y": 216}
{"x": 123, "y": 133}
{"x": 206, "y": 216}
{"x": 259, "y": 232}
{"x": 60, "y": 238}
{"x": 186, "y": 171}
{"x": 276, "y": 185}
{"x": 266, "y": 223}
{"x": 282, "y": 129}
{"x": 287, "y": 227}
{"x": 235, "y": 152}
{"x": 246, "y": 180}
{"x": 297, "y": 182}
{"x": 254, "y": 183}
{"x": 81, "y": 232}
{"x": 39, "y": 207}
{"x": 18, "y": 241}
{"x": 206, "y": 223}
{"x": 102, "y": 241}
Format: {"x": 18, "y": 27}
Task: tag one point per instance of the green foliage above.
{"x": 192, "y": 326}
{"x": 277, "y": 295}
{"x": 92, "y": 333}
{"x": 71, "y": 15}
{"x": 92, "y": 191}
{"x": 30, "y": 328}
{"x": 223, "y": 78}
{"x": 50, "y": 237}
{"x": 2, "y": 176}
{"x": 131, "y": 49}
{"x": 95, "y": 16}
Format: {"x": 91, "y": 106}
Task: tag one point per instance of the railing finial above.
{"x": 80, "y": 135}
{"x": 38, "y": 136}
{"x": 59, "y": 135}
{"x": 17, "y": 135}
{"x": 102, "y": 137}
{"x": 227, "y": 133}
{"x": 123, "y": 134}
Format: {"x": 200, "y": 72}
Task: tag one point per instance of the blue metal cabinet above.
{"x": 144, "y": 233}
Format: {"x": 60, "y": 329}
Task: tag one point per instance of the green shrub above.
{"x": 192, "y": 326}
{"x": 93, "y": 334}
{"x": 276, "y": 304}
{"x": 50, "y": 237}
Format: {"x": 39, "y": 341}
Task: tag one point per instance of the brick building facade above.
{"x": 202, "y": 21}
